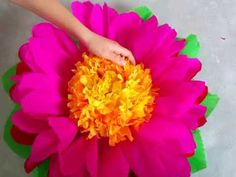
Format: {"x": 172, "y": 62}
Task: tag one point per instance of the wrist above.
{"x": 84, "y": 35}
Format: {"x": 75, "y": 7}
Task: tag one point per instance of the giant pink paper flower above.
{"x": 158, "y": 148}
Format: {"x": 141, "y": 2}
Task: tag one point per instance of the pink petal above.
{"x": 73, "y": 159}
{"x": 92, "y": 158}
{"x": 176, "y": 47}
{"x": 195, "y": 117}
{"x": 181, "y": 69}
{"x": 141, "y": 36}
{"x": 39, "y": 103}
{"x": 190, "y": 91}
{"x": 51, "y": 141}
{"x": 182, "y": 99}
{"x": 54, "y": 167}
{"x": 50, "y": 51}
{"x": 95, "y": 17}
{"x": 44, "y": 145}
{"x": 164, "y": 49}
{"x": 65, "y": 129}
{"x": 26, "y": 57}
{"x": 28, "y": 124}
{"x": 82, "y": 11}
{"x": 123, "y": 26}
{"x": 47, "y": 30}
{"x": 28, "y": 82}
{"x": 131, "y": 32}
{"x": 166, "y": 43}
{"x": 22, "y": 137}
{"x": 60, "y": 39}
{"x": 50, "y": 60}
{"x": 96, "y": 20}
{"x": 112, "y": 162}
{"x": 166, "y": 38}
{"x": 160, "y": 149}
{"x": 169, "y": 131}
{"x": 109, "y": 15}
{"x": 22, "y": 68}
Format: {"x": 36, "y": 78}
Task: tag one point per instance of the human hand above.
{"x": 108, "y": 49}
{"x": 62, "y": 18}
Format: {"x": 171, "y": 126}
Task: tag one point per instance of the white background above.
{"x": 209, "y": 19}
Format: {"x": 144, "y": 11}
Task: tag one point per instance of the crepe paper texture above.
{"x": 171, "y": 104}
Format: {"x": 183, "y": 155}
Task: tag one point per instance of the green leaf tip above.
{"x": 192, "y": 46}
{"x": 210, "y": 102}
{"x": 20, "y": 150}
{"x": 7, "y": 82}
{"x": 198, "y": 161}
{"x": 41, "y": 170}
{"x": 144, "y": 12}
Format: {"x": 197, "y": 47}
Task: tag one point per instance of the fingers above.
{"x": 125, "y": 53}
{"x": 118, "y": 59}
{"x": 111, "y": 50}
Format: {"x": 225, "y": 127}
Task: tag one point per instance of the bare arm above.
{"x": 56, "y": 13}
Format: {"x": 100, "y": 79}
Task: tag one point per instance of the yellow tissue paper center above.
{"x": 110, "y": 101}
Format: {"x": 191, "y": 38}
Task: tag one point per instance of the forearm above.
{"x": 56, "y": 13}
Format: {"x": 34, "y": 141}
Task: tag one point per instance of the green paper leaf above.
{"x": 41, "y": 170}
{"x": 192, "y": 47}
{"x": 210, "y": 102}
{"x": 21, "y": 150}
{"x": 7, "y": 83}
{"x": 35, "y": 173}
{"x": 198, "y": 161}
{"x": 144, "y": 12}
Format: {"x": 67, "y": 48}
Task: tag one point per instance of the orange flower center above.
{"x": 107, "y": 100}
